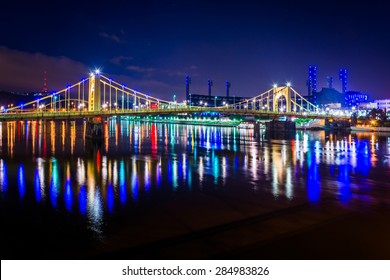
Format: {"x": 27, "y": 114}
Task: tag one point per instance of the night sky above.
{"x": 152, "y": 45}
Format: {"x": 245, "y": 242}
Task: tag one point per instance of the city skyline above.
{"x": 160, "y": 43}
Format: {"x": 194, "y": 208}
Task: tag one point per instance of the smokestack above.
{"x": 312, "y": 80}
{"x": 329, "y": 79}
{"x": 344, "y": 79}
{"x": 227, "y": 88}
{"x": 210, "y": 83}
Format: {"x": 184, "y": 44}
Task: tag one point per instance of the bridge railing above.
{"x": 157, "y": 111}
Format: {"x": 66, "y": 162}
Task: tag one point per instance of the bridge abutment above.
{"x": 283, "y": 126}
{"x": 94, "y": 128}
{"x": 337, "y": 124}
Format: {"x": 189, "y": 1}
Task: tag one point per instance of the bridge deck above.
{"x": 155, "y": 112}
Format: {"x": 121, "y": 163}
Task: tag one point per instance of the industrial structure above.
{"x": 344, "y": 79}
{"x": 312, "y": 80}
{"x": 329, "y": 95}
{"x": 208, "y": 100}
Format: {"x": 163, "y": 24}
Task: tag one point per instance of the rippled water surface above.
{"x": 64, "y": 196}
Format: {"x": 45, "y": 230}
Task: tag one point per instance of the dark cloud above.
{"x": 118, "y": 60}
{"x": 112, "y": 37}
{"x": 140, "y": 69}
{"x": 251, "y": 44}
{"x": 152, "y": 87}
{"x": 23, "y": 71}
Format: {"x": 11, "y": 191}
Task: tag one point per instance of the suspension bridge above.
{"x": 100, "y": 96}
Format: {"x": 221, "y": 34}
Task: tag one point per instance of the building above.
{"x": 327, "y": 96}
{"x": 368, "y": 106}
{"x": 212, "y": 101}
{"x": 312, "y": 80}
{"x": 354, "y": 98}
{"x": 344, "y": 79}
{"x": 383, "y": 104}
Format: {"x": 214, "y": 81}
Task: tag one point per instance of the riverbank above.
{"x": 370, "y": 129}
{"x": 192, "y": 122}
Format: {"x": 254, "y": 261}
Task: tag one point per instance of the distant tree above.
{"x": 354, "y": 119}
{"x": 377, "y": 114}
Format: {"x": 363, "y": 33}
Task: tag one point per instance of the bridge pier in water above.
{"x": 94, "y": 129}
{"x": 276, "y": 129}
{"x": 337, "y": 124}
{"x": 283, "y": 126}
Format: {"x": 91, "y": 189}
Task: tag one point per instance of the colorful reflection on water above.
{"x": 50, "y": 163}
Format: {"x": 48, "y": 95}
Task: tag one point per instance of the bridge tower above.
{"x": 279, "y": 92}
{"x": 94, "y": 93}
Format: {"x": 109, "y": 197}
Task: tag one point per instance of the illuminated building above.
{"x": 383, "y": 104}
{"x": 210, "y": 100}
{"x": 354, "y": 98}
{"x": 312, "y": 80}
{"x": 327, "y": 96}
{"x": 344, "y": 79}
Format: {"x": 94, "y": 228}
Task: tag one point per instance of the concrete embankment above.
{"x": 370, "y": 129}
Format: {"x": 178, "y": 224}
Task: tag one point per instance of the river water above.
{"x": 146, "y": 186}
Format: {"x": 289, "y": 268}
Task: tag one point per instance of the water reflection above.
{"x": 138, "y": 161}
{"x": 21, "y": 181}
{"x": 3, "y": 176}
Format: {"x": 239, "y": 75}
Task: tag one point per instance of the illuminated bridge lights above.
{"x": 103, "y": 96}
